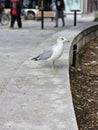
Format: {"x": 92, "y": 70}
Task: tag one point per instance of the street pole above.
{"x": 42, "y": 14}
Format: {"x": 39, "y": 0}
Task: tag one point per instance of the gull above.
{"x": 52, "y": 53}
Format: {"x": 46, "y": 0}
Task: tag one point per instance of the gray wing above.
{"x": 46, "y": 54}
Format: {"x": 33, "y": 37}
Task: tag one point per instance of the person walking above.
{"x": 1, "y": 8}
{"x": 60, "y": 7}
{"x": 15, "y": 13}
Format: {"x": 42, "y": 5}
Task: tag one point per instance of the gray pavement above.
{"x": 31, "y": 96}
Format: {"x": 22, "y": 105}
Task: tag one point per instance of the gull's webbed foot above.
{"x": 53, "y": 69}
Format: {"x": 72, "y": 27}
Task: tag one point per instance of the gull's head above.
{"x": 62, "y": 39}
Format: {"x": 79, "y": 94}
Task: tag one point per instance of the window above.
{"x": 92, "y": 5}
{"x": 72, "y": 4}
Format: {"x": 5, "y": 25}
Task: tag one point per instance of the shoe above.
{"x": 56, "y": 26}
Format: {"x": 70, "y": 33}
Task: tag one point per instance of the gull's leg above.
{"x": 52, "y": 67}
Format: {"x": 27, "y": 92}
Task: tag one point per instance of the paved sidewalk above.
{"x": 31, "y": 96}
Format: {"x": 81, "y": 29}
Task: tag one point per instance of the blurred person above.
{"x": 16, "y": 13}
{"x": 22, "y": 10}
{"x": 60, "y": 7}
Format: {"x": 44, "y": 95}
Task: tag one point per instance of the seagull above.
{"x": 52, "y": 53}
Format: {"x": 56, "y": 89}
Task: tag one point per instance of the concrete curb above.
{"x": 38, "y": 98}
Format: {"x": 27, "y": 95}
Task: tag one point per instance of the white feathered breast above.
{"x": 57, "y": 51}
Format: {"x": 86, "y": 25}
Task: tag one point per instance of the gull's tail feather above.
{"x": 35, "y": 58}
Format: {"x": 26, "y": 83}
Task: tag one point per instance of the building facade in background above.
{"x": 85, "y": 6}
{"x": 89, "y": 6}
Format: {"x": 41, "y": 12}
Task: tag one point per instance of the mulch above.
{"x": 84, "y": 86}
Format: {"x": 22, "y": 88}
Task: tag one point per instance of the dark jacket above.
{"x": 60, "y": 4}
{"x": 18, "y": 8}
